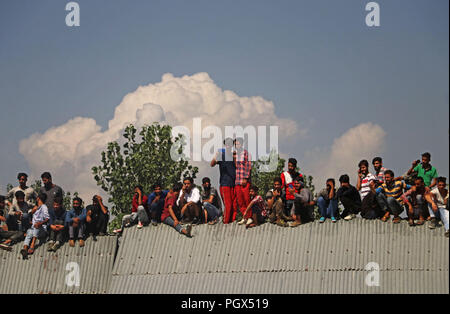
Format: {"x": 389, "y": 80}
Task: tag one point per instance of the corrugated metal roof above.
{"x": 45, "y": 272}
{"x": 312, "y": 258}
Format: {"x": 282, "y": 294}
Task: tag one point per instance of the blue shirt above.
{"x": 73, "y": 214}
{"x": 227, "y": 169}
{"x": 57, "y": 215}
{"x": 152, "y": 196}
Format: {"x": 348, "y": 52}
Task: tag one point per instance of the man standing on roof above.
{"x": 242, "y": 183}
{"x": 227, "y": 167}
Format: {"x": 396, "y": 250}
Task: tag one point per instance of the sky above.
{"x": 340, "y": 91}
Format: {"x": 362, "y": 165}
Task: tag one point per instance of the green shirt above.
{"x": 427, "y": 175}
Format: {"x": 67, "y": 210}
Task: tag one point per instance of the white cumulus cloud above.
{"x": 363, "y": 141}
{"x": 70, "y": 150}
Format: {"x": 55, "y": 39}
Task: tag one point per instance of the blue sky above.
{"x": 316, "y": 61}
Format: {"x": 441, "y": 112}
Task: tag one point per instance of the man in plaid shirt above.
{"x": 377, "y": 163}
{"x": 242, "y": 183}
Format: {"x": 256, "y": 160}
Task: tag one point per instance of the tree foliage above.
{"x": 144, "y": 159}
{"x": 264, "y": 179}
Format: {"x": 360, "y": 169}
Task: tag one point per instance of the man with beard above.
{"x": 97, "y": 218}
{"x": 275, "y": 204}
{"x": 156, "y": 203}
{"x": 212, "y": 208}
{"x": 19, "y": 213}
{"x": 377, "y": 163}
{"x": 389, "y": 196}
{"x": 76, "y": 221}
{"x": 440, "y": 197}
{"x": 227, "y": 168}
{"x": 38, "y": 226}
{"x": 369, "y": 205}
{"x": 425, "y": 170}
{"x": 7, "y": 237}
{"x": 50, "y": 189}
{"x": 349, "y": 196}
{"x": 416, "y": 199}
{"x": 242, "y": 183}
{"x": 30, "y": 193}
{"x": 189, "y": 201}
{"x": 287, "y": 179}
{"x": 57, "y": 227}
{"x": 303, "y": 205}
{"x": 327, "y": 202}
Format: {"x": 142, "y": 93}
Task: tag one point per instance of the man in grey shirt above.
{"x": 30, "y": 193}
{"x": 50, "y": 189}
{"x": 303, "y": 205}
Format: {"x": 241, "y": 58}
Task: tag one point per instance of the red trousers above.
{"x": 243, "y": 198}
{"x": 229, "y": 199}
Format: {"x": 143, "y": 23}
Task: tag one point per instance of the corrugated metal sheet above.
{"x": 311, "y": 258}
{"x": 45, "y": 272}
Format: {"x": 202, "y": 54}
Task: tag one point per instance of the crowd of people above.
{"x": 418, "y": 196}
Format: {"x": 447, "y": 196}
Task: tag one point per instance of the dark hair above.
{"x": 58, "y": 200}
{"x": 206, "y": 179}
{"x": 2, "y": 198}
{"x": 363, "y": 163}
{"x": 240, "y": 140}
{"x": 46, "y": 175}
{"x": 427, "y": 155}
{"x": 442, "y": 179}
{"x": 278, "y": 179}
{"x": 139, "y": 187}
{"x": 228, "y": 140}
{"x": 377, "y": 159}
{"x": 254, "y": 188}
{"x": 177, "y": 187}
{"x": 22, "y": 174}
{"x": 42, "y": 197}
{"x": 190, "y": 179}
{"x": 78, "y": 200}
{"x": 156, "y": 185}
{"x": 19, "y": 194}
{"x": 344, "y": 178}
{"x": 418, "y": 178}
{"x": 298, "y": 179}
{"x": 292, "y": 161}
{"x": 332, "y": 180}
{"x": 390, "y": 172}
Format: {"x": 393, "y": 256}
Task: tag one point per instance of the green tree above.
{"x": 142, "y": 162}
{"x": 264, "y": 179}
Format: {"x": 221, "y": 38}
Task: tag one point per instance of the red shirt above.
{"x": 171, "y": 201}
{"x": 135, "y": 203}
{"x": 289, "y": 196}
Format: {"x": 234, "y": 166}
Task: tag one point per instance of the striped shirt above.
{"x": 395, "y": 190}
{"x": 365, "y": 185}
{"x": 243, "y": 167}
{"x": 380, "y": 175}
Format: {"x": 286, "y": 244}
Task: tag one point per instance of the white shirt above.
{"x": 365, "y": 185}
{"x": 30, "y": 195}
{"x": 40, "y": 215}
{"x": 193, "y": 196}
{"x": 438, "y": 197}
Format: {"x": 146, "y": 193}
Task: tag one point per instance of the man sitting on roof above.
{"x": 171, "y": 214}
